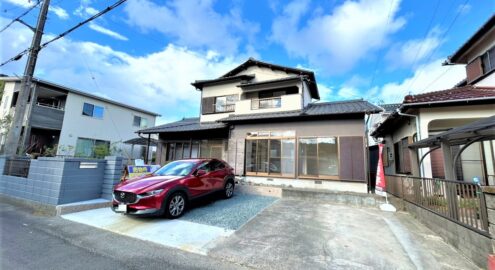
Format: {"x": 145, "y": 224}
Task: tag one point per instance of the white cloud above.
{"x": 429, "y": 77}
{"x": 157, "y": 81}
{"x": 412, "y": 52}
{"x": 85, "y": 11}
{"x": 22, "y": 3}
{"x": 325, "y": 92}
{"x": 194, "y": 24}
{"x": 106, "y": 31}
{"x": 464, "y": 9}
{"x": 345, "y": 35}
{"x": 349, "y": 92}
{"x": 60, "y": 12}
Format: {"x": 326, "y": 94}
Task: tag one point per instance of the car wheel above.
{"x": 228, "y": 190}
{"x": 176, "y": 205}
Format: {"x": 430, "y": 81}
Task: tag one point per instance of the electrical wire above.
{"x": 20, "y": 16}
{"x": 434, "y": 51}
{"x": 109, "y": 8}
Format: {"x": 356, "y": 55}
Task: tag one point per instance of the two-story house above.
{"x": 72, "y": 120}
{"x": 414, "y": 132}
{"x": 262, "y": 119}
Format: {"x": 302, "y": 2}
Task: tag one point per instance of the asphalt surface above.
{"x": 28, "y": 241}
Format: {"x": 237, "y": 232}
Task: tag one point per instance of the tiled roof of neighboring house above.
{"x": 453, "y": 94}
{"x": 200, "y": 83}
{"x": 390, "y": 107}
{"x": 186, "y": 124}
{"x": 315, "y": 109}
{"x": 285, "y": 79}
{"x": 81, "y": 93}
{"x": 313, "y": 88}
{"x": 467, "y": 94}
{"x": 483, "y": 30}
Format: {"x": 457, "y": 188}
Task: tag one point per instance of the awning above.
{"x": 483, "y": 129}
{"x": 142, "y": 141}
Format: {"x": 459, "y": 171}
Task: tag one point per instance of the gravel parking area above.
{"x": 229, "y": 214}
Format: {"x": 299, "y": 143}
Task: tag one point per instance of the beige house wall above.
{"x": 236, "y": 144}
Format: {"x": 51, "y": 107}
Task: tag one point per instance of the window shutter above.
{"x": 351, "y": 156}
{"x": 474, "y": 70}
{"x": 406, "y": 157}
{"x": 207, "y": 105}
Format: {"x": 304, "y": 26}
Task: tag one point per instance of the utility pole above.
{"x": 14, "y": 134}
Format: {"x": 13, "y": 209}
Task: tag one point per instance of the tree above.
{"x": 2, "y": 87}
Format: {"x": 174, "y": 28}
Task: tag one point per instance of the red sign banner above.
{"x": 380, "y": 186}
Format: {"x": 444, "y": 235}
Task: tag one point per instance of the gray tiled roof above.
{"x": 314, "y": 109}
{"x": 289, "y": 78}
{"x": 186, "y": 124}
{"x": 341, "y": 107}
{"x": 391, "y": 107}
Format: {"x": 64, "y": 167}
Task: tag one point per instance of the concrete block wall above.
{"x": 112, "y": 175}
{"x": 78, "y": 183}
{"x": 473, "y": 245}
{"x": 55, "y": 181}
{"x": 489, "y": 193}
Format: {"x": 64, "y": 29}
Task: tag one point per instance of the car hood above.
{"x": 142, "y": 184}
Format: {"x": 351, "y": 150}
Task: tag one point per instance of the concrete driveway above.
{"x": 208, "y": 220}
{"x": 296, "y": 234}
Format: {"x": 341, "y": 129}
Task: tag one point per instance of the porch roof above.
{"x": 483, "y": 129}
{"x": 184, "y": 125}
{"x": 141, "y": 141}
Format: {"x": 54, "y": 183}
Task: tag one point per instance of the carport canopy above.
{"x": 142, "y": 141}
{"x": 480, "y": 130}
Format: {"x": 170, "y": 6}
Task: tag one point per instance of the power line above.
{"x": 19, "y": 17}
{"x": 433, "y": 52}
{"x": 19, "y": 55}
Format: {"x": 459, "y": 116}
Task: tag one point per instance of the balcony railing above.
{"x": 57, "y": 107}
{"x": 460, "y": 202}
{"x": 266, "y": 103}
{"x": 219, "y": 108}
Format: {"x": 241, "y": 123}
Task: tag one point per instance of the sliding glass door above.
{"x": 269, "y": 153}
{"x": 318, "y": 157}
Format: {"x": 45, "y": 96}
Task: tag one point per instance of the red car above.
{"x": 168, "y": 190}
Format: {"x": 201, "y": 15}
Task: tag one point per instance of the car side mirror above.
{"x": 200, "y": 173}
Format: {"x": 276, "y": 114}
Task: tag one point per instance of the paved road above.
{"x": 35, "y": 242}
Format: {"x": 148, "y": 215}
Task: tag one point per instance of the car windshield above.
{"x": 176, "y": 168}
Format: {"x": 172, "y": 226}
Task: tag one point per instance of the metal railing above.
{"x": 224, "y": 107}
{"x": 460, "y": 202}
{"x": 265, "y": 103}
{"x": 17, "y": 167}
{"x": 51, "y": 106}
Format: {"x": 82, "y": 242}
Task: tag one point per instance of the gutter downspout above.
{"x": 367, "y": 151}
{"x": 418, "y": 136}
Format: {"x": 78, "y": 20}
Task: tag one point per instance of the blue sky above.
{"x": 146, "y": 53}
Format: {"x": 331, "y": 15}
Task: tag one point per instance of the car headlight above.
{"x": 151, "y": 193}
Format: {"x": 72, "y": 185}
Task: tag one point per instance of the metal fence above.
{"x": 17, "y": 167}
{"x": 461, "y": 202}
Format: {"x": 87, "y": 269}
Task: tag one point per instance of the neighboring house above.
{"x": 262, "y": 119}
{"x": 74, "y": 121}
{"x": 431, "y": 114}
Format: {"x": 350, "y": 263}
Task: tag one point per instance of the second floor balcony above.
{"x": 273, "y": 104}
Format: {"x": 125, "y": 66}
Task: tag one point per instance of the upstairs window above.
{"x": 140, "y": 122}
{"x": 92, "y": 110}
{"x": 225, "y": 103}
{"x": 488, "y": 60}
